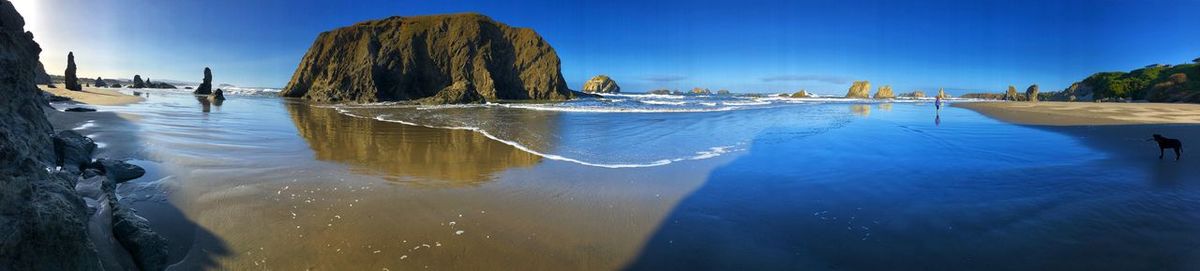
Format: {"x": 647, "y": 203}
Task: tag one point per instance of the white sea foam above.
{"x": 662, "y": 102}
{"x": 645, "y": 96}
{"x": 713, "y": 152}
{"x": 609, "y": 109}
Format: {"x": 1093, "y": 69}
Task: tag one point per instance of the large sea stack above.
{"x": 860, "y": 89}
{"x": 69, "y": 78}
{"x": 1031, "y": 93}
{"x": 137, "y": 82}
{"x": 885, "y": 92}
{"x": 43, "y": 224}
{"x": 1011, "y": 94}
{"x": 601, "y": 84}
{"x": 457, "y": 58}
{"x": 205, "y": 87}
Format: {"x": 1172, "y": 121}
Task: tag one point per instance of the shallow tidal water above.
{"x": 647, "y": 182}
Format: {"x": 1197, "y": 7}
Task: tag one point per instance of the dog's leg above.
{"x": 1161, "y": 151}
{"x": 1177, "y": 153}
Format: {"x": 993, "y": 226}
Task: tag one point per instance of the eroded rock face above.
{"x": 137, "y": 82}
{"x": 860, "y": 89}
{"x": 414, "y": 58}
{"x": 601, "y": 84}
{"x": 40, "y": 76}
{"x": 1031, "y": 93}
{"x": 73, "y": 151}
{"x": 205, "y": 87}
{"x": 802, "y": 94}
{"x": 1011, "y": 94}
{"x": 885, "y": 92}
{"x": 69, "y": 78}
{"x": 42, "y": 221}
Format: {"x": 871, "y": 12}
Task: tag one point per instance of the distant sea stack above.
{"x": 205, "y": 87}
{"x": 701, "y": 91}
{"x": 456, "y": 58}
{"x": 1011, "y": 94}
{"x": 885, "y": 92}
{"x": 860, "y": 89}
{"x": 69, "y": 78}
{"x": 1031, "y": 93}
{"x": 942, "y": 93}
{"x": 137, "y": 82}
{"x": 100, "y": 83}
{"x": 601, "y": 84}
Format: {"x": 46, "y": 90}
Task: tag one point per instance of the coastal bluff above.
{"x": 438, "y": 59}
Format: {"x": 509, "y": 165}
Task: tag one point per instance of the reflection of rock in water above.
{"x": 885, "y": 107}
{"x": 861, "y": 109}
{"x": 205, "y": 104}
{"x": 404, "y": 153}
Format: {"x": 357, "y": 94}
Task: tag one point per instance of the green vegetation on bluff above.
{"x": 1155, "y": 83}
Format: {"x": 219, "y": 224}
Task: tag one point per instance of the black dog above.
{"x": 1168, "y": 143}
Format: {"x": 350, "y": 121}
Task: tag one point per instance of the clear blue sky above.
{"x": 739, "y": 45}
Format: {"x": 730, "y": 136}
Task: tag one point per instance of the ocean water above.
{"x": 652, "y": 182}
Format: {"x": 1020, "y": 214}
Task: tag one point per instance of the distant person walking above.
{"x": 937, "y": 103}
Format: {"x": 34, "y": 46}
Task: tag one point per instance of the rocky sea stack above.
{"x": 885, "y": 92}
{"x": 69, "y": 78}
{"x": 457, "y": 58}
{"x": 1031, "y": 93}
{"x": 205, "y": 87}
{"x": 601, "y": 84}
{"x": 860, "y": 89}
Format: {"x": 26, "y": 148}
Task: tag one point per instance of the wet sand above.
{"x": 94, "y": 96}
{"x": 1071, "y": 114}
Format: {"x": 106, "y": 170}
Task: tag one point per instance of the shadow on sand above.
{"x": 803, "y": 215}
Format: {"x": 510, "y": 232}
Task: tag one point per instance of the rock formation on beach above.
{"x": 205, "y": 87}
{"x": 802, "y": 94}
{"x": 660, "y": 91}
{"x": 99, "y": 82}
{"x": 1011, "y": 94}
{"x": 885, "y": 92}
{"x": 701, "y": 91}
{"x": 942, "y": 93}
{"x": 724, "y": 92}
{"x": 601, "y": 84}
{"x": 47, "y": 220}
{"x": 1031, "y": 93}
{"x": 70, "y": 79}
{"x": 456, "y": 58}
{"x": 860, "y": 89}
{"x": 217, "y": 95}
{"x": 40, "y": 76}
{"x": 137, "y": 82}
{"x": 914, "y": 94}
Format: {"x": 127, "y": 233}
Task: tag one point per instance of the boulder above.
{"x": 80, "y": 109}
{"x": 217, "y": 95}
{"x": 860, "y": 89}
{"x": 701, "y": 91}
{"x": 205, "y": 87}
{"x": 43, "y": 223}
{"x": 100, "y": 83}
{"x": 601, "y": 84}
{"x": 116, "y": 85}
{"x": 147, "y": 248}
{"x": 802, "y": 94}
{"x": 117, "y": 170}
{"x": 461, "y": 92}
{"x": 69, "y": 77}
{"x": 419, "y": 58}
{"x": 137, "y": 82}
{"x": 1031, "y": 93}
{"x": 73, "y": 151}
{"x": 885, "y": 92}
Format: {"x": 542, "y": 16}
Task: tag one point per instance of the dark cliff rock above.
{"x": 205, "y": 87}
{"x": 42, "y": 221}
{"x": 100, "y": 83}
{"x": 69, "y": 78}
{"x": 137, "y": 82}
{"x": 217, "y": 95}
{"x": 414, "y": 58}
{"x": 40, "y": 76}
{"x": 601, "y": 84}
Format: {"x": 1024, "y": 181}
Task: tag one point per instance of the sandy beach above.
{"x": 94, "y": 96}
{"x": 1071, "y": 114}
